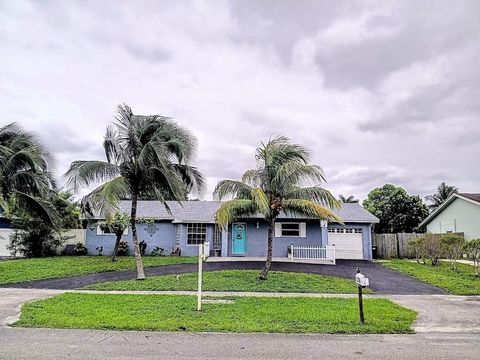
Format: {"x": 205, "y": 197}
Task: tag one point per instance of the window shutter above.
{"x": 303, "y": 230}
{"x": 278, "y": 229}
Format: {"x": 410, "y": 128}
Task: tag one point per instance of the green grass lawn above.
{"x": 20, "y": 270}
{"x": 460, "y": 282}
{"x": 238, "y": 280}
{"x": 246, "y": 314}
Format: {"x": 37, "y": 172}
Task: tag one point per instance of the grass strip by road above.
{"x": 460, "y": 282}
{"x": 246, "y": 314}
{"x": 22, "y": 270}
{"x": 237, "y": 280}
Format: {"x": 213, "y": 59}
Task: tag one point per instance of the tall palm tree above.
{"x": 26, "y": 183}
{"x": 442, "y": 194}
{"x": 347, "y": 200}
{"x": 144, "y": 154}
{"x": 275, "y": 186}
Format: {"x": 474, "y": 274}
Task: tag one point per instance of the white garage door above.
{"x": 348, "y": 243}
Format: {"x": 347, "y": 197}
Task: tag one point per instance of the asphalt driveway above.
{"x": 382, "y": 280}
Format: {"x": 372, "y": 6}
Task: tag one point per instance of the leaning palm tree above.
{"x": 275, "y": 187}
{"x": 442, "y": 194}
{"x": 26, "y": 184}
{"x": 144, "y": 154}
{"x": 347, "y": 200}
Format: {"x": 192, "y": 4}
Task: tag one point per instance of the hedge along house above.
{"x": 190, "y": 223}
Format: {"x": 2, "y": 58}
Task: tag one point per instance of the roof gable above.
{"x": 470, "y": 197}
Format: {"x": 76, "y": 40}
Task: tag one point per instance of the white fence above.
{"x": 73, "y": 236}
{"x": 312, "y": 253}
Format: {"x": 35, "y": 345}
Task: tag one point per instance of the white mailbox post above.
{"x": 362, "y": 282}
{"x": 203, "y": 252}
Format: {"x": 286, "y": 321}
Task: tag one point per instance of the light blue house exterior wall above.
{"x": 169, "y": 235}
{"x": 256, "y": 244}
{"x": 164, "y": 237}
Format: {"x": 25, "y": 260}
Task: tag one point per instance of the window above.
{"x": 358, "y": 231}
{"x": 289, "y": 229}
{"x": 217, "y": 237}
{"x": 331, "y": 230}
{"x": 196, "y": 234}
{"x": 108, "y": 232}
{"x": 349, "y": 231}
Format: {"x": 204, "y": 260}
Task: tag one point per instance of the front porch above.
{"x": 263, "y": 259}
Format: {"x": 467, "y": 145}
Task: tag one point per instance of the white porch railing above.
{"x": 312, "y": 253}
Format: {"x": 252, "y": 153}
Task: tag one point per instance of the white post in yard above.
{"x": 200, "y": 269}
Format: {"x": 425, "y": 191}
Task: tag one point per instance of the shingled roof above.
{"x": 204, "y": 211}
{"x": 471, "y": 196}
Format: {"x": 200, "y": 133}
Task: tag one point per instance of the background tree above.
{"x": 144, "y": 154}
{"x": 275, "y": 187}
{"x": 442, "y": 194}
{"x": 397, "y": 210}
{"x": 349, "y": 199}
{"x": 25, "y": 179}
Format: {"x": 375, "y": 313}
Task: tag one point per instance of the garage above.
{"x": 348, "y": 242}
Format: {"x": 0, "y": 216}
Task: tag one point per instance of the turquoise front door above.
{"x": 239, "y": 238}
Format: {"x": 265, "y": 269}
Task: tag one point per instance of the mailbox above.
{"x": 361, "y": 280}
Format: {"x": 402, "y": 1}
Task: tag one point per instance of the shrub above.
{"x": 417, "y": 247}
{"x": 143, "y": 247}
{"x": 453, "y": 246}
{"x": 33, "y": 237}
{"x": 432, "y": 247}
{"x": 473, "y": 252}
{"x": 122, "y": 248}
{"x": 158, "y": 251}
{"x": 79, "y": 249}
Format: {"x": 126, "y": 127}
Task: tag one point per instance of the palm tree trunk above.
{"x": 136, "y": 247}
{"x": 115, "y": 249}
{"x": 264, "y": 273}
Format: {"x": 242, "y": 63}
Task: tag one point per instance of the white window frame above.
{"x": 196, "y": 226}
{"x": 302, "y": 229}
{"x": 101, "y": 233}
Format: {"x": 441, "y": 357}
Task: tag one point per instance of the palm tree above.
{"x": 26, "y": 184}
{"x": 347, "y": 200}
{"x": 275, "y": 186}
{"x": 144, "y": 154}
{"x": 442, "y": 194}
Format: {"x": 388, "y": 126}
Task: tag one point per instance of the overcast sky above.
{"x": 380, "y": 92}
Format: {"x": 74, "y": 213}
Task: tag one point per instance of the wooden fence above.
{"x": 393, "y": 245}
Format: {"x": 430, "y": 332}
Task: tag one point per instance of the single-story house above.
{"x": 460, "y": 213}
{"x": 190, "y": 223}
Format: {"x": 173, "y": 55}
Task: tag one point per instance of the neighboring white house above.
{"x": 460, "y": 213}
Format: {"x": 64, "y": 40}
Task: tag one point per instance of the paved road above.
{"x": 80, "y": 344}
{"x": 383, "y": 280}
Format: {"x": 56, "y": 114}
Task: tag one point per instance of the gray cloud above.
{"x": 379, "y": 91}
